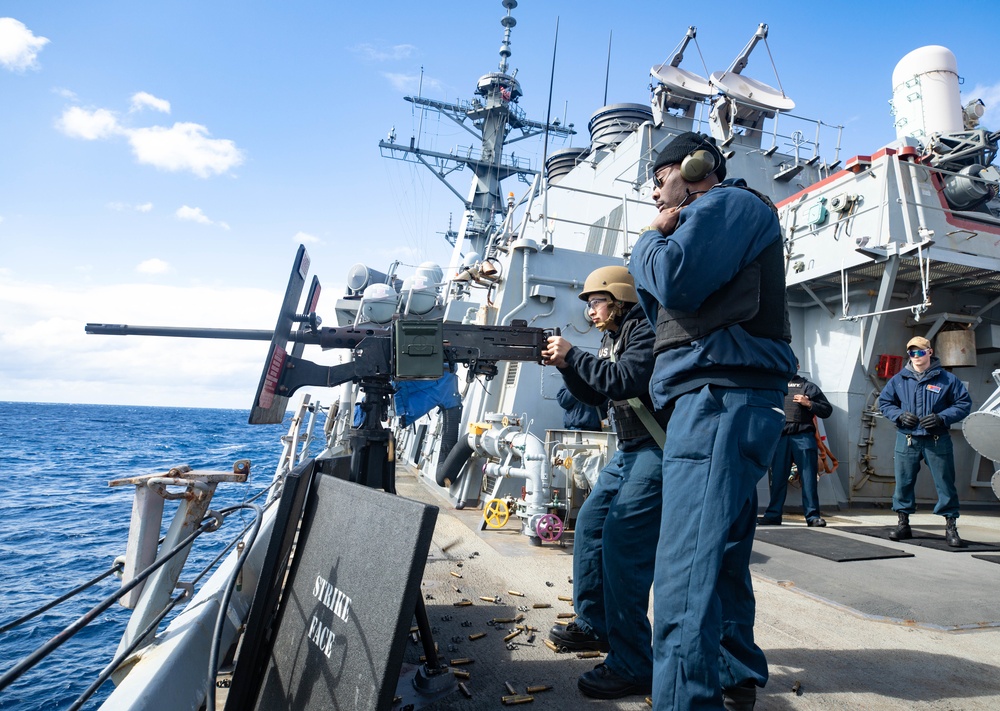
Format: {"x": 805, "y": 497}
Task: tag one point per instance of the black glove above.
{"x": 932, "y": 421}
{"x": 909, "y": 420}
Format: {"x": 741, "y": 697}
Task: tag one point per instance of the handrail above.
{"x": 209, "y": 524}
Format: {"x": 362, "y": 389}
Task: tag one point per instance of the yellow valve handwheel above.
{"x": 568, "y": 462}
{"x": 496, "y": 513}
{"x": 505, "y": 421}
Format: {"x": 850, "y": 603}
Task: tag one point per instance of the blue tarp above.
{"x": 415, "y": 398}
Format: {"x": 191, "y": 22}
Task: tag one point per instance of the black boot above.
{"x": 951, "y": 532}
{"x": 902, "y": 530}
{"x": 571, "y": 638}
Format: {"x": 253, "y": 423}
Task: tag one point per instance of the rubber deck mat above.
{"x": 839, "y": 549}
{"x": 923, "y": 538}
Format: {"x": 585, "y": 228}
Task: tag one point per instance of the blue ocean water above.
{"x": 61, "y": 524}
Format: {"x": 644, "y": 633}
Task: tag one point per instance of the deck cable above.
{"x": 118, "y": 566}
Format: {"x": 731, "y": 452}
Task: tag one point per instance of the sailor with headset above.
{"x": 709, "y": 272}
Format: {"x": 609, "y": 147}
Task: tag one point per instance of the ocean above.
{"x": 61, "y": 524}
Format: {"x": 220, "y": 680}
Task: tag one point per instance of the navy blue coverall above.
{"x": 614, "y": 544}
{"x": 727, "y": 390}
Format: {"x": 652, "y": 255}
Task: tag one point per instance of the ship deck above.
{"x": 914, "y": 632}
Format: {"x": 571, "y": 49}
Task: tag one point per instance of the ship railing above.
{"x": 622, "y": 228}
{"x": 803, "y": 138}
{"x": 233, "y": 578}
{"x": 296, "y": 444}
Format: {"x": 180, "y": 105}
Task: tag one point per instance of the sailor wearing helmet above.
{"x": 615, "y": 539}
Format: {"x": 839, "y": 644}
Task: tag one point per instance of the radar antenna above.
{"x": 675, "y": 88}
{"x": 746, "y": 102}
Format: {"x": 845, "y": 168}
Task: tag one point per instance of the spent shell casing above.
{"x": 512, "y": 635}
{"x": 460, "y": 673}
{"x": 486, "y": 598}
{"x": 460, "y": 661}
{"x": 501, "y": 620}
{"x": 566, "y": 615}
{"x": 540, "y": 687}
{"x": 515, "y": 593}
{"x": 454, "y": 574}
{"x": 510, "y": 688}
{"x": 464, "y": 689}
{"x": 477, "y": 635}
{"x": 588, "y": 655}
{"x": 462, "y": 603}
{"x": 551, "y": 645}
{"x": 541, "y": 605}
{"x": 565, "y": 598}
{"x": 516, "y": 699}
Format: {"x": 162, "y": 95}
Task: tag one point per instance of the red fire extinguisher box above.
{"x": 888, "y": 365}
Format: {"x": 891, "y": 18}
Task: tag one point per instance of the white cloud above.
{"x": 65, "y": 93}
{"x": 373, "y": 53}
{"x": 195, "y": 214}
{"x": 88, "y": 125}
{"x": 144, "y": 207}
{"x": 19, "y": 47}
{"x": 153, "y": 266}
{"x": 305, "y": 238}
{"x": 411, "y": 83}
{"x": 52, "y": 359}
{"x": 192, "y": 214}
{"x": 143, "y": 100}
{"x": 184, "y": 146}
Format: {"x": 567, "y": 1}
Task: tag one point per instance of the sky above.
{"x": 161, "y": 162}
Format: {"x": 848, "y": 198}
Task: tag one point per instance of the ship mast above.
{"x": 490, "y": 117}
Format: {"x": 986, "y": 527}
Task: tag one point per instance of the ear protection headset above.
{"x": 697, "y": 165}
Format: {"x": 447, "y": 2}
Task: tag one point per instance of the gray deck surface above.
{"x": 921, "y": 632}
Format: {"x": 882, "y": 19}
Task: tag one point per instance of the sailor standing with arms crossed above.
{"x": 709, "y": 272}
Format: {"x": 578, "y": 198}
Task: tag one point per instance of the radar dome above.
{"x": 419, "y": 294}
{"x": 378, "y": 303}
{"x": 925, "y": 95}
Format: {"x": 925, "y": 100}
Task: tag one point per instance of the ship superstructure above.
{"x": 879, "y": 248}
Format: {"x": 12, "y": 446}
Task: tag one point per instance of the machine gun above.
{"x": 408, "y": 349}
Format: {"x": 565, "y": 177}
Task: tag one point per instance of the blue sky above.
{"x": 160, "y": 162}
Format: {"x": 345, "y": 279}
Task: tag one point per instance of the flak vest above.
{"x": 794, "y": 412}
{"x": 627, "y": 422}
{"x": 755, "y": 299}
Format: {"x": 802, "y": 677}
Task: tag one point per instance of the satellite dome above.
{"x": 432, "y": 271}
{"x": 419, "y": 293}
{"x": 378, "y": 303}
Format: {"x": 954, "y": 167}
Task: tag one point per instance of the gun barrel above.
{"x": 121, "y": 329}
